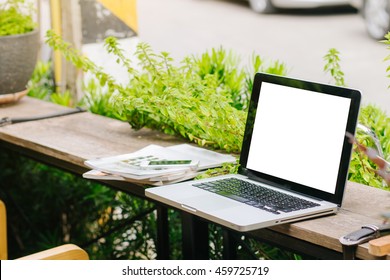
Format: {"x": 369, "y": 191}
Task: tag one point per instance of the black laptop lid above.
{"x": 295, "y": 135}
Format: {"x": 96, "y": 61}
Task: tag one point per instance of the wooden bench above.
{"x": 67, "y": 141}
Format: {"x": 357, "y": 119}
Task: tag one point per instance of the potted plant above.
{"x": 19, "y": 43}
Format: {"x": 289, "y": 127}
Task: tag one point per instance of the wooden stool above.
{"x": 62, "y": 252}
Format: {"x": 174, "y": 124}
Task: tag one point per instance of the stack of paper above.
{"x": 127, "y": 167}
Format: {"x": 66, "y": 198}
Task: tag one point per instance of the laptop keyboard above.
{"x": 256, "y": 195}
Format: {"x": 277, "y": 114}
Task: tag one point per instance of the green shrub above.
{"x": 201, "y": 99}
{"x": 16, "y": 17}
{"x": 41, "y": 84}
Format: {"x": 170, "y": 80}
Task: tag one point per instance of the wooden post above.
{"x": 72, "y": 33}
{"x": 67, "y": 23}
{"x": 56, "y": 26}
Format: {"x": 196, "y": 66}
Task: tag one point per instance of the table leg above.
{"x": 162, "y": 246}
{"x": 349, "y": 252}
{"x": 229, "y": 246}
{"x": 195, "y": 238}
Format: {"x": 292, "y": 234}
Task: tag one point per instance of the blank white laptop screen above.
{"x": 317, "y": 123}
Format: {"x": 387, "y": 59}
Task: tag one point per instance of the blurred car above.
{"x": 376, "y": 15}
{"x": 268, "y": 6}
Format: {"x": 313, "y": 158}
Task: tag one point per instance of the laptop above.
{"x": 294, "y": 159}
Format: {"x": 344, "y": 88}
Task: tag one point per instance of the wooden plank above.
{"x": 77, "y": 137}
{"x": 300, "y": 246}
{"x": 62, "y": 252}
{"x": 380, "y": 247}
{"x": 29, "y": 107}
{"x": 365, "y": 200}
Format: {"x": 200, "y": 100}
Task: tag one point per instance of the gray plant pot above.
{"x": 18, "y": 57}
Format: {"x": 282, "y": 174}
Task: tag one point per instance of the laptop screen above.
{"x": 295, "y": 135}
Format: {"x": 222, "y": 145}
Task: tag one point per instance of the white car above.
{"x": 376, "y": 14}
{"x": 268, "y": 6}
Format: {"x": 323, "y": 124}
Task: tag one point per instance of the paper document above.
{"x": 127, "y": 166}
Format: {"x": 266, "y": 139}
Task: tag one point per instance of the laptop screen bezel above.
{"x": 355, "y": 99}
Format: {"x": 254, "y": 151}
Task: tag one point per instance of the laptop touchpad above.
{"x": 208, "y": 202}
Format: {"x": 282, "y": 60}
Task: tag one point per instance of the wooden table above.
{"x": 67, "y": 141}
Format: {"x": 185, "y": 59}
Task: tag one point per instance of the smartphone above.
{"x": 162, "y": 164}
